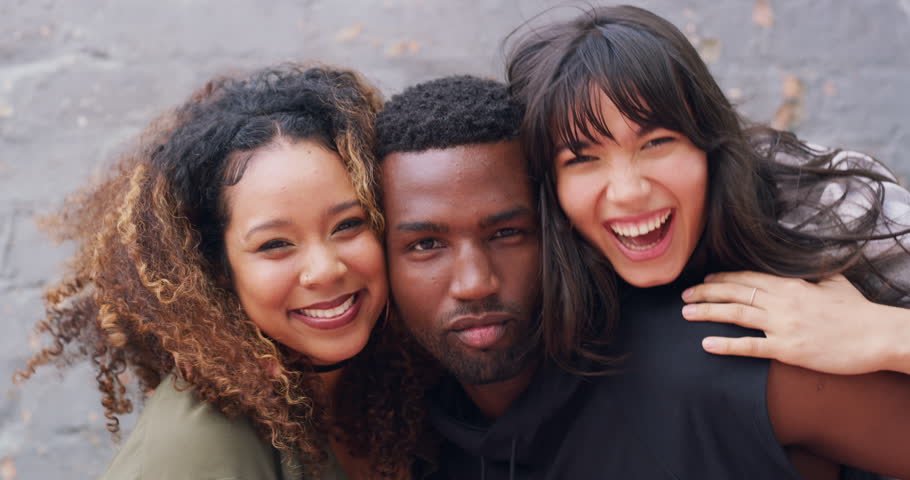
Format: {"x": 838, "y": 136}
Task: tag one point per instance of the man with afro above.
{"x": 462, "y": 236}
{"x": 463, "y": 246}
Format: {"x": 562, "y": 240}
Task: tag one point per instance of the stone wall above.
{"x": 78, "y": 79}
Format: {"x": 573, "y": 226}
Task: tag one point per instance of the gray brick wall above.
{"x": 77, "y": 79}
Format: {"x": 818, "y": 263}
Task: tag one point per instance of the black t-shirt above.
{"x": 673, "y": 412}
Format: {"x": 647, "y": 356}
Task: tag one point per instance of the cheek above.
{"x": 364, "y": 256}
{"x": 416, "y": 288}
{"x": 577, "y": 195}
{"x": 686, "y": 179}
{"x": 693, "y": 190}
{"x": 263, "y": 284}
{"x": 523, "y": 270}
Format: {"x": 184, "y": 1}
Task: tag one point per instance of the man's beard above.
{"x": 488, "y": 367}
{"x": 478, "y": 367}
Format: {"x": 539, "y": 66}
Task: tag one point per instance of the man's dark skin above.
{"x": 463, "y": 250}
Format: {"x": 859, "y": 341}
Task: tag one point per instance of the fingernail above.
{"x": 709, "y": 277}
{"x": 689, "y": 310}
{"x": 687, "y": 292}
{"x": 710, "y": 344}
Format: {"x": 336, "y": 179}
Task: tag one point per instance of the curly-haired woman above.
{"x": 232, "y": 263}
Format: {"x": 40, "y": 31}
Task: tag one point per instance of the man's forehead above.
{"x": 467, "y": 180}
{"x": 455, "y": 165}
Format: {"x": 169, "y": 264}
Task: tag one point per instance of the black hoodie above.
{"x": 674, "y": 412}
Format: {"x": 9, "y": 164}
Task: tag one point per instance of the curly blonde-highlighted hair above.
{"x": 148, "y": 289}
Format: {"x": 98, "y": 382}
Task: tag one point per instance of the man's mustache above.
{"x": 476, "y": 309}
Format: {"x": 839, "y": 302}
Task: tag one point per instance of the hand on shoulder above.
{"x": 828, "y": 327}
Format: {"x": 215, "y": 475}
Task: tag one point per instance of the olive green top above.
{"x": 181, "y": 438}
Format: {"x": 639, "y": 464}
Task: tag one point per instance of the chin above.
{"x": 656, "y": 279}
{"x": 343, "y": 350}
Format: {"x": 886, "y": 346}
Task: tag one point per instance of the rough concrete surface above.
{"x": 78, "y": 78}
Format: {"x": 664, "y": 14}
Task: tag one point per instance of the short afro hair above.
{"x": 448, "y": 112}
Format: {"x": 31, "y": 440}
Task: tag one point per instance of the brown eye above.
{"x": 658, "y": 142}
{"x": 273, "y": 245}
{"x": 425, "y": 245}
{"x": 507, "y": 232}
{"x": 349, "y": 224}
{"x": 580, "y": 159}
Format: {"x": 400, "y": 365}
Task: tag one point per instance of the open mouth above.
{"x": 331, "y": 315}
{"x": 643, "y": 235}
{"x": 330, "y": 312}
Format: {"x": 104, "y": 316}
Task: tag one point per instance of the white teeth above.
{"x": 330, "y": 312}
{"x": 636, "y": 247}
{"x": 634, "y": 230}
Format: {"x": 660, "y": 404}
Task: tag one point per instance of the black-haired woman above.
{"x": 650, "y": 181}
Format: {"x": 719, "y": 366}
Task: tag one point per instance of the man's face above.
{"x": 463, "y": 255}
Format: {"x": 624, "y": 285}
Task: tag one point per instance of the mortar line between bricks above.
{"x": 6, "y": 240}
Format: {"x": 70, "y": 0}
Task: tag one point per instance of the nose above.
{"x": 321, "y": 266}
{"x": 474, "y": 276}
{"x": 627, "y": 185}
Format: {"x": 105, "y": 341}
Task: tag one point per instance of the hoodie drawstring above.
{"x": 512, "y": 459}
{"x": 483, "y": 463}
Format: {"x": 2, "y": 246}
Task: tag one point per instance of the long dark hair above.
{"x": 757, "y": 176}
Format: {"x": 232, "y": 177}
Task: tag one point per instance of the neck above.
{"x": 330, "y": 380}
{"x": 329, "y": 374}
{"x": 493, "y": 399}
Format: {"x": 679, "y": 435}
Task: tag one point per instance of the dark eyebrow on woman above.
{"x": 574, "y": 146}
{"x": 338, "y": 208}
{"x": 273, "y": 223}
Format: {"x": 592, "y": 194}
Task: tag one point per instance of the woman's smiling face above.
{"x": 639, "y": 197}
{"x": 305, "y": 264}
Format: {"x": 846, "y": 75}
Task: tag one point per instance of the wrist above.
{"x": 894, "y": 335}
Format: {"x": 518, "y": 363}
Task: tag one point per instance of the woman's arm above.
{"x": 828, "y": 327}
{"x": 857, "y": 420}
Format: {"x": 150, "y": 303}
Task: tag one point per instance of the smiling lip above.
{"x": 330, "y": 323}
{"x": 637, "y": 218}
{"x": 652, "y": 252}
{"x": 482, "y": 331}
{"x": 329, "y": 304}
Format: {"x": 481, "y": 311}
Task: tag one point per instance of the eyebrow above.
{"x": 273, "y": 223}
{"x": 486, "y": 222}
{"x": 574, "y": 146}
{"x": 422, "y": 227}
{"x": 506, "y": 215}
{"x": 581, "y": 145}
{"x": 336, "y": 209}
{"x": 283, "y": 222}
{"x": 646, "y": 130}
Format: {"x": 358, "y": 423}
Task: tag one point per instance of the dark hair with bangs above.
{"x": 656, "y": 78}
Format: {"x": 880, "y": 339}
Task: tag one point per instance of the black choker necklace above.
{"x": 331, "y": 367}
